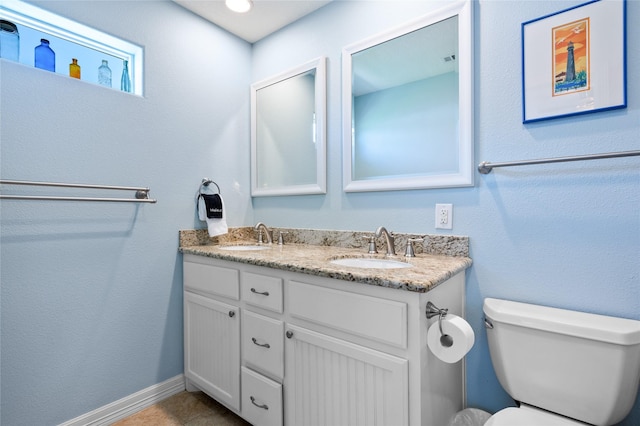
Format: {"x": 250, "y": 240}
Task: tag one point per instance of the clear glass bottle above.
{"x": 125, "y": 82}
{"x": 104, "y": 74}
{"x": 9, "y": 41}
{"x": 45, "y": 57}
{"x": 74, "y": 69}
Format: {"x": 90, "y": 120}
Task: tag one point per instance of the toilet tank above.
{"x": 580, "y": 365}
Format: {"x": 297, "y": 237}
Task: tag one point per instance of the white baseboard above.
{"x": 129, "y": 405}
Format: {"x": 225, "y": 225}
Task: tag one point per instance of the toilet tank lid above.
{"x": 603, "y": 328}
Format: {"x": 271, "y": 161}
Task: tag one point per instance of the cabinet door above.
{"x": 329, "y": 381}
{"x": 212, "y": 347}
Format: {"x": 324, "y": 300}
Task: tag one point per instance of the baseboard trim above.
{"x": 129, "y": 405}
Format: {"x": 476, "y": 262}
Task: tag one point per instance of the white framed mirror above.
{"x": 288, "y": 132}
{"x": 407, "y": 105}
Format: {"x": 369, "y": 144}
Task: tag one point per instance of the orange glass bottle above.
{"x": 74, "y": 69}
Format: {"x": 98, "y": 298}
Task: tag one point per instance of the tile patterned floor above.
{"x": 184, "y": 409}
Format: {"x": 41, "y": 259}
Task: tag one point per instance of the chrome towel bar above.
{"x": 485, "y": 167}
{"x": 142, "y": 194}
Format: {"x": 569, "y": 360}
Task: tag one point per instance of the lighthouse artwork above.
{"x": 574, "y": 61}
{"x": 571, "y": 71}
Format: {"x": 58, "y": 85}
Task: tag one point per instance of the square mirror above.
{"x": 408, "y": 105}
{"x": 288, "y": 146}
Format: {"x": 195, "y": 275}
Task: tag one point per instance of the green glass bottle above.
{"x": 125, "y": 82}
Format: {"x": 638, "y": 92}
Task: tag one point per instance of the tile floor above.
{"x": 184, "y": 409}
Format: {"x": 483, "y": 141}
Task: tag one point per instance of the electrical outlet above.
{"x": 444, "y": 216}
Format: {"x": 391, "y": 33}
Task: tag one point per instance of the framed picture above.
{"x": 574, "y": 61}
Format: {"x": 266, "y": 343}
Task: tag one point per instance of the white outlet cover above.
{"x": 444, "y": 216}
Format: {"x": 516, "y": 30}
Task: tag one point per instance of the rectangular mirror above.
{"x": 288, "y": 146}
{"x": 408, "y": 105}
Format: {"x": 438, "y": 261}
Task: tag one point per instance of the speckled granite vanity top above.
{"x": 438, "y": 257}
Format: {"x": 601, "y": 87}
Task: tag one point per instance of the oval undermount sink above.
{"x": 361, "y": 262}
{"x": 244, "y": 248}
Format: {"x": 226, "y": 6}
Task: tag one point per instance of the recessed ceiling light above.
{"x": 240, "y": 6}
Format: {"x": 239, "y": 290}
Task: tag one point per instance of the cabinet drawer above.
{"x": 212, "y": 280}
{"x": 263, "y": 344}
{"x": 261, "y": 399}
{"x": 377, "y": 319}
{"x": 262, "y": 291}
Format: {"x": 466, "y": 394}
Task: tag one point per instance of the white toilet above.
{"x": 563, "y": 367}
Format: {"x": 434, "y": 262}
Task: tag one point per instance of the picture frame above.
{"x": 574, "y": 61}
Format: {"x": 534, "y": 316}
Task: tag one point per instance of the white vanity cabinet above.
{"x": 330, "y": 381}
{"x": 212, "y": 331}
{"x": 333, "y": 381}
{"x": 315, "y": 350}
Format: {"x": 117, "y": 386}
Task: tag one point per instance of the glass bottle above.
{"x": 104, "y": 74}
{"x": 45, "y": 57}
{"x": 9, "y": 41}
{"x": 74, "y": 69}
{"x": 125, "y": 82}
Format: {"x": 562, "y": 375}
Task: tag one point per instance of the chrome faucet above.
{"x": 391, "y": 244}
{"x": 260, "y": 227}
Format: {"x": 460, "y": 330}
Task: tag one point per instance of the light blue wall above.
{"x": 284, "y": 127}
{"x": 92, "y": 293}
{"x": 565, "y": 235}
{"x": 420, "y": 117}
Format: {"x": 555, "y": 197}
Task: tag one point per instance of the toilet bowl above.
{"x": 548, "y": 360}
{"x": 529, "y": 416}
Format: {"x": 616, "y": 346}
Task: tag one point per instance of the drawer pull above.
{"x": 264, "y": 293}
{"x": 264, "y": 345}
{"x": 232, "y": 314}
{"x": 263, "y": 406}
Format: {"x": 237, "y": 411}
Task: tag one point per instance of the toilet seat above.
{"x": 529, "y": 416}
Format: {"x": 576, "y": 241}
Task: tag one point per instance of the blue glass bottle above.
{"x": 104, "y": 74}
{"x": 125, "y": 82}
{"x": 45, "y": 57}
{"x": 9, "y": 41}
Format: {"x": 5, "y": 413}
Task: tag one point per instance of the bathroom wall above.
{"x": 565, "y": 235}
{"x": 91, "y": 306}
{"x": 92, "y": 293}
{"x": 422, "y": 118}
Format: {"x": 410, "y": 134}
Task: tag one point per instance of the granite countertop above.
{"x": 428, "y": 270}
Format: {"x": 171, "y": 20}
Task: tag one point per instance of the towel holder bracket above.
{"x": 207, "y": 182}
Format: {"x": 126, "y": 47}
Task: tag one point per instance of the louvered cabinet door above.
{"x": 212, "y": 347}
{"x": 333, "y": 382}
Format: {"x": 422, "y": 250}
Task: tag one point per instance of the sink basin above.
{"x": 361, "y": 262}
{"x": 244, "y": 248}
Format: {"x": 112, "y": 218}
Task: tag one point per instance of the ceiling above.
{"x": 266, "y": 16}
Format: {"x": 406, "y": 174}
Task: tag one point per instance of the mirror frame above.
{"x": 320, "y": 186}
{"x": 465, "y": 174}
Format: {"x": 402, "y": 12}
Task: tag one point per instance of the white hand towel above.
{"x": 215, "y": 226}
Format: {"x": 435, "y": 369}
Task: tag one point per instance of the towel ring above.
{"x": 207, "y": 182}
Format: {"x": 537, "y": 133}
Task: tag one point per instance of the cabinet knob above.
{"x": 289, "y": 334}
{"x": 232, "y": 314}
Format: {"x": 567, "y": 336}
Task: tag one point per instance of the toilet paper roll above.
{"x": 461, "y": 333}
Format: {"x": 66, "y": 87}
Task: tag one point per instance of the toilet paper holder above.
{"x": 432, "y": 311}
